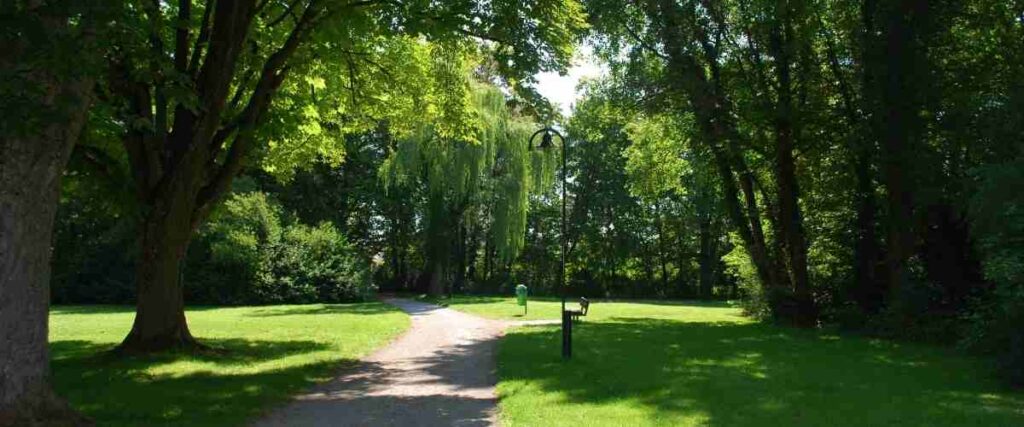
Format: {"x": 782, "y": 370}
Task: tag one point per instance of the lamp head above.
{"x": 546, "y": 141}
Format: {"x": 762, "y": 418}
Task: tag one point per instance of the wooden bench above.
{"x": 582, "y": 312}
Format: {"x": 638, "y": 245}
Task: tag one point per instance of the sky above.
{"x": 561, "y": 90}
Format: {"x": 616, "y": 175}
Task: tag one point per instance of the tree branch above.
{"x": 288, "y": 11}
{"x": 181, "y": 35}
{"x": 204, "y": 36}
{"x": 274, "y": 72}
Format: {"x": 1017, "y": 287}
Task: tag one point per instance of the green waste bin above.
{"x": 521, "y": 292}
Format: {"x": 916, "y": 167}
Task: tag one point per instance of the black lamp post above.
{"x": 546, "y": 142}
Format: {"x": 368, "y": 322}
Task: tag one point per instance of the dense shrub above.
{"x": 738, "y": 264}
{"x": 250, "y": 254}
{"x": 997, "y": 326}
{"x": 94, "y": 254}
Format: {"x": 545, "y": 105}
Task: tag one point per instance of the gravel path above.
{"x": 441, "y": 372}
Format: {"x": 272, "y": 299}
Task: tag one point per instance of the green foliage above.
{"x": 473, "y": 153}
{"x": 738, "y": 264}
{"x": 999, "y": 213}
{"x": 251, "y": 254}
{"x": 655, "y": 156}
{"x": 93, "y": 254}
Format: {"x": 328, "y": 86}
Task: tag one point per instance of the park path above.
{"x": 441, "y": 372}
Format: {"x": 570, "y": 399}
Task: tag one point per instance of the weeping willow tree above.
{"x": 469, "y": 150}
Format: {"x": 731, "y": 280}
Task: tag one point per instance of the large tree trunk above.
{"x": 791, "y": 225}
{"x": 435, "y": 287}
{"x": 899, "y": 112}
{"x": 160, "y": 323}
{"x": 30, "y": 171}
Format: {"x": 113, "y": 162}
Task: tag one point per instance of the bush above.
{"x": 996, "y": 325}
{"x": 246, "y": 255}
{"x": 738, "y": 264}
{"x": 94, "y": 253}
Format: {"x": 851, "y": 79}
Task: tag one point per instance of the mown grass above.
{"x": 266, "y": 355}
{"x": 696, "y": 365}
{"x": 546, "y": 308}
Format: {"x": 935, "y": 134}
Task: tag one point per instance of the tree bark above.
{"x": 662, "y": 251}
{"x": 706, "y": 258}
{"x": 160, "y": 323}
{"x": 790, "y": 219}
{"x": 32, "y": 162}
{"x": 899, "y": 109}
{"x": 436, "y": 287}
{"x": 31, "y": 165}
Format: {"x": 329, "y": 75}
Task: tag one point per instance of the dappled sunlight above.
{"x": 317, "y": 309}
{"x": 547, "y": 308}
{"x": 258, "y": 356}
{"x": 717, "y": 373}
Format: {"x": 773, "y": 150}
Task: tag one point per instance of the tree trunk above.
{"x": 662, "y": 251}
{"x": 790, "y": 220}
{"x": 160, "y": 323}
{"x": 868, "y": 292}
{"x": 436, "y": 287}
{"x": 899, "y": 111}
{"x": 706, "y": 261}
{"x": 460, "y": 261}
{"x": 681, "y": 257}
{"x": 793, "y": 231}
{"x": 30, "y": 171}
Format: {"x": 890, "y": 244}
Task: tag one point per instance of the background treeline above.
{"x": 275, "y": 240}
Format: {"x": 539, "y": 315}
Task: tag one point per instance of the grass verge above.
{"x": 544, "y": 308}
{"x": 269, "y": 354}
{"x": 680, "y": 365}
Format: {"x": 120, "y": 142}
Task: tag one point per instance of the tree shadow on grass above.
{"x": 674, "y": 303}
{"x": 301, "y": 310}
{"x": 91, "y": 309}
{"x": 135, "y": 391}
{"x": 226, "y": 351}
{"x": 731, "y": 374}
{"x": 113, "y": 309}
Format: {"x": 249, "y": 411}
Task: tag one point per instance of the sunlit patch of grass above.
{"x": 698, "y": 365}
{"x": 548, "y": 308}
{"x": 265, "y": 354}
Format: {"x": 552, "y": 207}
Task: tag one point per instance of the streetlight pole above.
{"x": 547, "y": 143}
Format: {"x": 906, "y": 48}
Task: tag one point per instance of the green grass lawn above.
{"x": 505, "y": 308}
{"x": 666, "y": 364}
{"x": 269, "y": 354}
